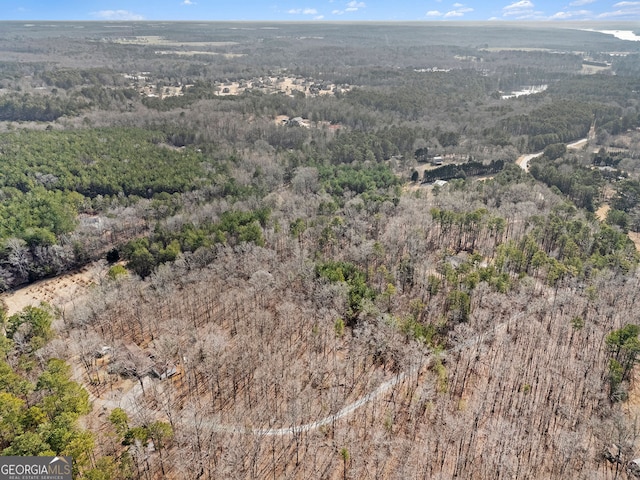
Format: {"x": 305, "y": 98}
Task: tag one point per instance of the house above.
{"x": 440, "y": 183}
{"x": 138, "y": 358}
{"x": 633, "y": 467}
{"x": 102, "y": 351}
{"x": 297, "y": 122}
{"x": 90, "y": 221}
{"x": 164, "y": 370}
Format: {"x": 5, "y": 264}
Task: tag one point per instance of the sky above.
{"x": 322, "y": 10}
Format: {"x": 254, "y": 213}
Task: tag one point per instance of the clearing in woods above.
{"x": 59, "y": 292}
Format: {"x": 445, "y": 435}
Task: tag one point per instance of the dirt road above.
{"x": 352, "y": 407}
{"x": 523, "y": 160}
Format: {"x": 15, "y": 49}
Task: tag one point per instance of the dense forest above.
{"x": 320, "y": 250}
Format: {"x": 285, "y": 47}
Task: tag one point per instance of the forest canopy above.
{"x": 309, "y": 250}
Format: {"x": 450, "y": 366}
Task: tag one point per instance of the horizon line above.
{"x": 312, "y": 21}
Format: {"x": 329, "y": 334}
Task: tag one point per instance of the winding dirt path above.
{"x": 296, "y": 429}
{"x": 352, "y": 407}
{"x": 523, "y": 160}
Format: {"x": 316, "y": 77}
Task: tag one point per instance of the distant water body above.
{"x": 621, "y": 34}
{"x": 525, "y": 91}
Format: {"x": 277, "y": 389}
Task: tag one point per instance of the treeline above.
{"x": 557, "y": 122}
{"x": 12, "y": 70}
{"x": 375, "y": 184}
{"x": 98, "y": 162}
{"x": 109, "y": 98}
{"x": 584, "y": 100}
{"x": 67, "y": 79}
{"x": 615, "y": 90}
{"x": 49, "y": 178}
{"x": 38, "y": 108}
{"x": 627, "y": 65}
{"x": 462, "y": 170}
{"x": 625, "y": 205}
{"x": 556, "y": 247}
{"x": 358, "y": 146}
{"x": 581, "y": 184}
{"x": 143, "y": 255}
{"x": 40, "y": 404}
{"x": 416, "y": 95}
{"x": 514, "y": 76}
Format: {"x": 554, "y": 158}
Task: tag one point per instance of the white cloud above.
{"x": 517, "y": 6}
{"x": 117, "y": 15}
{"x": 620, "y": 14}
{"x": 303, "y": 11}
{"x": 434, "y": 13}
{"x": 625, "y": 10}
{"x": 188, "y": 2}
{"x": 319, "y": 17}
{"x": 352, "y": 6}
{"x": 571, "y": 14}
{"x": 579, "y": 3}
{"x": 458, "y": 12}
{"x": 522, "y": 10}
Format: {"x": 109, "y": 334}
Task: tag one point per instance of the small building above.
{"x": 440, "y": 183}
{"x": 296, "y": 122}
{"x": 164, "y": 370}
{"x": 633, "y": 467}
{"x": 138, "y": 358}
{"x": 90, "y": 221}
{"x": 102, "y": 351}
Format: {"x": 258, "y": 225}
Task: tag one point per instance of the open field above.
{"x": 190, "y": 53}
{"x": 61, "y": 292}
{"x": 155, "y": 40}
{"x": 593, "y": 69}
